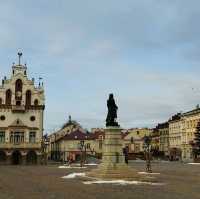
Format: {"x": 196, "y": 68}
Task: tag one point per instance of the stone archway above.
{"x": 2, "y": 157}
{"x": 31, "y": 157}
{"x": 16, "y": 157}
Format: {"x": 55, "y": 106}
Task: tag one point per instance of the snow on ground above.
{"x": 194, "y": 163}
{"x": 116, "y": 182}
{"x": 146, "y": 173}
{"x": 89, "y": 164}
{"x": 71, "y": 167}
{"x": 74, "y": 175}
{"x": 121, "y": 182}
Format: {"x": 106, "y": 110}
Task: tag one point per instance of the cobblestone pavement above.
{"x": 45, "y": 182}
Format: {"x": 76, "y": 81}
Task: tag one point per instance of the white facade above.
{"x": 21, "y": 117}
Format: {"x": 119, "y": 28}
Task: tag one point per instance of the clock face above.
{"x": 19, "y": 94}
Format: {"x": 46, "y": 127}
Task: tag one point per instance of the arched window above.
{"x": 28, "y": 98}
{"x": 0, "y": 101}
{"x": 18, "y": 89}
{"x": 36, "y": 102}
{"x": 8, "y": 97}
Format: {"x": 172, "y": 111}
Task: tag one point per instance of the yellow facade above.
{"x": 134, "y": 139}
{"x": 164, "y": 138}
{"x": 189, "y": 124}
{"x": 175, "y": 133}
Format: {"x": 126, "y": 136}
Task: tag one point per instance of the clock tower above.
{"x": 21, "y": 117}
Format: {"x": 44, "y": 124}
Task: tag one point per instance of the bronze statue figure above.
{"x": 112, "y": 112}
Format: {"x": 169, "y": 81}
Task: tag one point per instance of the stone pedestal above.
{"x": 113, "y": 164}
{"x": 112, "y": 148}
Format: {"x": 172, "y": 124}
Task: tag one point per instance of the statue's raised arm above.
{"x": 111, "y": 119}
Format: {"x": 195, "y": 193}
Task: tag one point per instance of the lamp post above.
{"x": 147, "y": 146}
{"x": 45, "y": 144}
{"x": 83, "y": 151}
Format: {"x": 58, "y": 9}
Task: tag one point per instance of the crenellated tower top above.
{"x": 19, "y": 68}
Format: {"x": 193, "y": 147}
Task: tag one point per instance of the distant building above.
{"x": 175, "y": 133}
{"x": 163, "y": 129}
{"x": 133, "y": 139}
{"x": 21, "y": 118}
{"x": 155, "y": 142}
{"x": 67, "y": 128}
{"x": 189, "y": 124}
{"x": 65, "y": 142}
{"x": 69, "y": 146}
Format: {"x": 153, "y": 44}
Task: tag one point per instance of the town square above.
{"x": 181, "y": 181}
{"x": 99, "y": 99}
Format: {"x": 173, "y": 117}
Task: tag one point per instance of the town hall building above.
{"x": 21, "y": 118}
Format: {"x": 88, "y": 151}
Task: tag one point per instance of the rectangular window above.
{"x": 17, "y": 137}
{"x": 2, "y": 137}
{"x": 100, "y": 144}
{"x": 32, "y": 137}
{"x": 88, "y": 146}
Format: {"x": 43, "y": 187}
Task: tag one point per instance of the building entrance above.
{"x": 2, "y": 157}
{"x": 16, "y": 158}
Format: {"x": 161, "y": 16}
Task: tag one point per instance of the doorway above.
{"x": 16, "y": 158}
{"x": 2, "y": 157}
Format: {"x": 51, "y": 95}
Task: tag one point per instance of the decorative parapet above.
{"x": 18, "y": 109}
{"x": 20, "y": 145}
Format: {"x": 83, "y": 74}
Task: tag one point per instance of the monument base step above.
{"x": 122, "y": 171}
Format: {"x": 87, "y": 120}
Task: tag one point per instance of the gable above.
{"x": 17, "y": 123}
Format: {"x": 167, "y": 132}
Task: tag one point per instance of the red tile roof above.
{"x": 78, "y": 135}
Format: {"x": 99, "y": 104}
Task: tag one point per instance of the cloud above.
{"x": 145, "y": 52}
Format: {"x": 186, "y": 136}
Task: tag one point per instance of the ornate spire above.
{"x": 70, "y": 119}
{"x": 19, "y": 55}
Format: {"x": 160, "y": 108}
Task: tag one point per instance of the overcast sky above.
{"x": 146, "y": 52}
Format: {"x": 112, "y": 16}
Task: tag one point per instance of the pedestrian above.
{"x": 125, "y": 152}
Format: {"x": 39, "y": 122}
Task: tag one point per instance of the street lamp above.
{"x": 45, "y": 144}
{"x": 147, "y": 145}
{"x": 83, "y": 150}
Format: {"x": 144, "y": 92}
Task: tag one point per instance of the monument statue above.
{"x": 112, "y": 112}
{"x": 113, "y": 164}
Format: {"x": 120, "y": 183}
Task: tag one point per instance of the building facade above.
{"x": 163, "y": 129}
{"x": 155, "y": 142}
{"x": 73, "y": 145}
{"x": 190, "y": 120}
{"x": 55, "y": 138}
{"x": 21, "y": 118}
{"x": 175, "y": 133}
{"x": 133, "y": 139}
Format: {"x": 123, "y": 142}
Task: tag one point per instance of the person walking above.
{"x": 125, "y": 152}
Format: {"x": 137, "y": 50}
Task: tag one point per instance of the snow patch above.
{"x": 146, "y": 173}
{"x": 74, "y": 175}
{"x": 71, "y": 167}
{"x": 91, "y": 164}
{"x": 122, "y": 182}
{"x": 194, "y": 163}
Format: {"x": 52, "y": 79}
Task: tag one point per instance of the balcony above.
{"x": 18, "y": 108}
